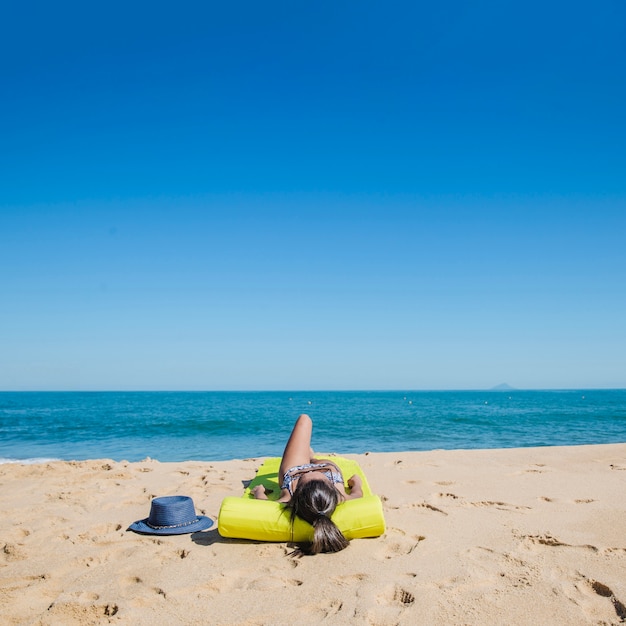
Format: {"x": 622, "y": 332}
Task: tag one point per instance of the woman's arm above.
{"x": 298, "y": 448}
{"x": 260, "y": 494}
{"x": 356, "y": 490}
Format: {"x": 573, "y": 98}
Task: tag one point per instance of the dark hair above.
{"x": 314, "y": 502}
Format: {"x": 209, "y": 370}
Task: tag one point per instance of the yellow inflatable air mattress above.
{"x": 268, "y": 520}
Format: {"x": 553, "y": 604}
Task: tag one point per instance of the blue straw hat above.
{"x": 171, "y": 515}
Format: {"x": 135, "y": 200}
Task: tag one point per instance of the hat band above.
{"x": 193, "y": 521}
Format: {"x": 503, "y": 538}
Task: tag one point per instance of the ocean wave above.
{"x": 33, "y": 461}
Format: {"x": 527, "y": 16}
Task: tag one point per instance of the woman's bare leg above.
{"x": 298, "y": 448}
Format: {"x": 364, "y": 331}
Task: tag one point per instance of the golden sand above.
{"x": 523, "y": 536}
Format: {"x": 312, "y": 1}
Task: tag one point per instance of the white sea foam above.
{"x": 34, "y": 461}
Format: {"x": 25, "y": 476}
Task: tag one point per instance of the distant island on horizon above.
{"x": 503, "y": 387}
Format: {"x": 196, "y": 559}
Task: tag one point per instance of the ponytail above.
{"x": 326, "y": 536}
{"x": 314, "y": 502}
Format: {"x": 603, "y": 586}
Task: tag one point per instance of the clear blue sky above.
{"x": 329, "y": 195}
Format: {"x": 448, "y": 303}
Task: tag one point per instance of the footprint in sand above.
{"x": 548, "y": 540}
{"x": 271, "y": 583}
{"x": 71, "y": 611}
{"x": 91, "y": 561}
{"x": 503, "y": 506}
{"x": 509, "y": 570}
{"x": 86, "y": 596}
{"x": 590, "y": 595}
{"x": 13, "y": 552}
{"x": 397, "y": 596}
{"x": 331, "y": 607}
{"x": 350, "y": 580}
{"x": 21, "y": 583}
{"x": 397, "y": 543}
{"x": 234, "y": 579}
{"x": 577, "y": 501}
{"x": 452, "y": 496}
{"x": 604, "y": 591}
{"x": 131, "y": 580}
{"x": 99, "y": 533}
{"x": 391, "y": 607}
{"x": 324, "y": 610}
{"x": 426, "y": 505}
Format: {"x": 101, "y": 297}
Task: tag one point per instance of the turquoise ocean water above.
{"x": 180, "y": 426}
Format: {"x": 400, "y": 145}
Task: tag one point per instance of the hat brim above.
{"x": 143, "y": 528}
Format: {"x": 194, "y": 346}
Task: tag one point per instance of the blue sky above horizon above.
{"x": 330, "y": 196}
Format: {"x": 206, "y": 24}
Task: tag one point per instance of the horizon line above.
{"x": 497, "y": 388}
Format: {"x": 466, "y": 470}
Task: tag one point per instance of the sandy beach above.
{"x": 517, "y": 536}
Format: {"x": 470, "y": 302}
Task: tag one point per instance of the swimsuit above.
{"x": 293, "y": 472}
